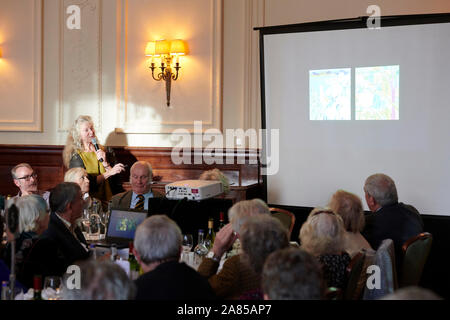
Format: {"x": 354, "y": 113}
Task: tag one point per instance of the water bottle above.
{"x": 200, "y": 249}
{"x": 5, "y": 290}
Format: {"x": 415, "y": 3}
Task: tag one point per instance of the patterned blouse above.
{"x": 334, "y": 269}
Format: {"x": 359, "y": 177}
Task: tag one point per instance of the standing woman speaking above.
{"x": 82, "y": 150}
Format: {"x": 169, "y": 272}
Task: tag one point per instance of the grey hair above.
{"x": 158, "y": 238}
{"x": 63, "y": 194}
{"x": 149, "y": 167}
{"x": 322, "y": 232}
{"x": 104, "y": 280}
{"x": 242, "y": 210}
{"x": 20, "y": 165}
{"x": 292, "y": 274}
{"x": 382, "y": 188}
{"x": 32, "y": 208}
{"x": 262, "y": 235}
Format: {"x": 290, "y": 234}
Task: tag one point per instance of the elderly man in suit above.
{"x": 157, "y": 247}
{"x": 63, "y": 243}
{"x": 389, "y": 219}
{"x": 141, "y": 176}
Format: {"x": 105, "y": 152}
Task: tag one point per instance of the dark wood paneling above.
{"x": 47, "y": 162}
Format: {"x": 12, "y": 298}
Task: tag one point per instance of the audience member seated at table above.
{"x": 141, "y": 176}
{"x": 389, "y": 218}
{"x": 235, "y": 277}
{"x": 349, "y": 207}
{"x": 26, "y": 180}
{"x": 292, "y": 274}
{"x": 102, "y": 170}
{"x": 80, "y": 177}
{"x": 412, "y": 293}
{"x": 33, "y": 221}
{"x": 100, "y": 280}
{"x": 260, "y": 236}
{"x": 322, "y": 235}
{"x": 63, "y": 243}
{"x": 217, "y": 175}
{"x": 158, "y": 247}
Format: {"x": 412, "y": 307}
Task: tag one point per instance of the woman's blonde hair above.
{"x": 216, "y": 174}
{"x": 74, "y": 144}
{"x": 349, "y": 207}
{"x": 73, "y": 174}
{"x": 322, "y": 233}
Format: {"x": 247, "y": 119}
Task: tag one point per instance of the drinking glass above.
{"x": 52, "y": 288}
{"x": 188, "y": 243}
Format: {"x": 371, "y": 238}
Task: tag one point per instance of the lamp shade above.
{"x": 150, "y": 49}
{"x": 178, "y": 47}
{"x": 0, "y": 52}
{"x": 162, "y": 47}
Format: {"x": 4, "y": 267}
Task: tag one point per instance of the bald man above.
{"x": 141, "y": 176}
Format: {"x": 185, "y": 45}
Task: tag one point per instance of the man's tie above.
{"x": 140, "y": 203}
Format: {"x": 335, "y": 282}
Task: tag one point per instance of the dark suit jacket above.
{"x": 122, "y": 201}
{"x": 54, "y": 251}
{"x": 398, "y": 222}
{"x": 173, "y": 281}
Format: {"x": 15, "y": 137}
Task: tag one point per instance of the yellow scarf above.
{"x": 95, "y": 168}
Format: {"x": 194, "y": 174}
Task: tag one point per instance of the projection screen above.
{"x": 350, "y": 101}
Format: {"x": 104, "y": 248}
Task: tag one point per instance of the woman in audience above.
{"x": 322, "y": 235}
{"x": 80, "y": 177}
{"x": 235, "y": 277}
{"x": 216, "y": 174}
{"x": 260, "y": 236}
{"x": 349, "y": 207}
{"x": 292, "y": 274}
{"x": 80, "y": 151}
{"x": 100, "y": 280}
{"x": 33, "y": 221}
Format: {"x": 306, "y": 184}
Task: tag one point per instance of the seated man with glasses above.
{"x": 26, "y": 180}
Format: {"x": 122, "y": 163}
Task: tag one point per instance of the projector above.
{"x": 193, "y": 189}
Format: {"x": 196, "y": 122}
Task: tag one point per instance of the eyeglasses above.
{"x": 28, "y": 177}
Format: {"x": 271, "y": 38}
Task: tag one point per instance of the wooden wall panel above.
{"x": 47, "y": 162}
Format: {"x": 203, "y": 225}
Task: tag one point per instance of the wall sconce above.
{"x": 0, "y": 52}
{"x": 166, "y": 50}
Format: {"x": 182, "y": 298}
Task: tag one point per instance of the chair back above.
{"x": 355, "y": 272}
{"x": 381, "y": 273}
{"x": 286, "y": 218}
{"x": 415, "y": 255}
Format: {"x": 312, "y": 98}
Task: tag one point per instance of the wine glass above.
{"x": 188, "y": 243}
{"x": 52, "y": 288}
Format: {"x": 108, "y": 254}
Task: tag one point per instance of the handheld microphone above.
{"x": 94, "y": 142}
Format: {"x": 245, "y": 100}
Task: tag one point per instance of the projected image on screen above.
{"x": 330, "y": 94}
{"x": 377, "y": 93}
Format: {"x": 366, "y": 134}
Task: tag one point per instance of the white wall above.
{"x": 103, "y": 72}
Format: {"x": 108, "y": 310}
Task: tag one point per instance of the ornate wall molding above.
{"x": 80, "y": 64}
{"x": 33, "y": 120}
{"x": 127, "y": 124}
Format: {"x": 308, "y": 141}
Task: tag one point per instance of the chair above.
{"x": 415, "y": 254}
{"x": 333, "y": 293}
{"x": 286, "y": 218}
{"x": 356, "y": 277}
{"x": 382, "y": 272}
